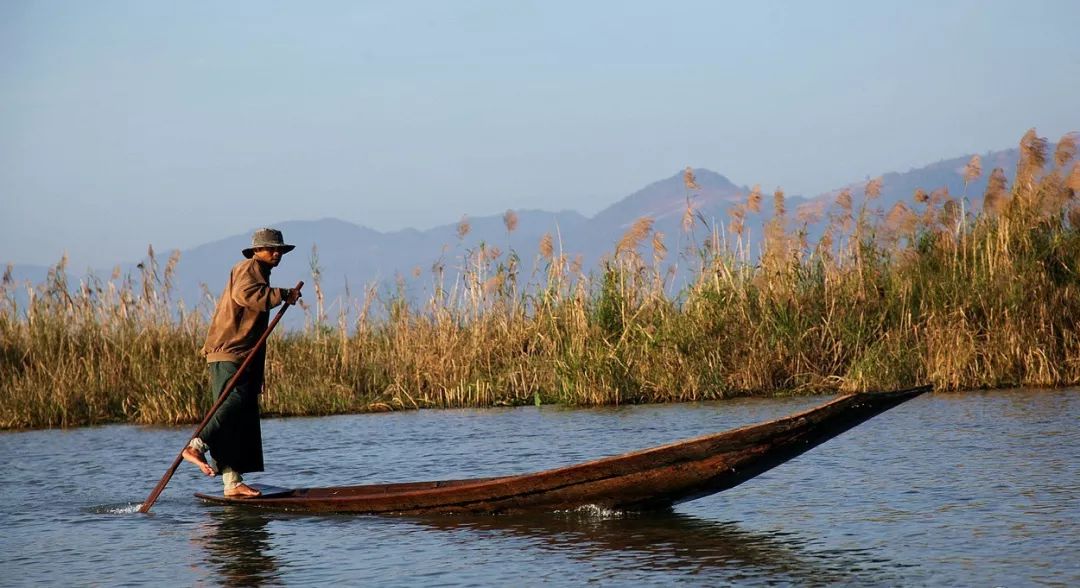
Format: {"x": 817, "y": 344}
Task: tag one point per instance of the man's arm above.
{"x": 250, "y": 289}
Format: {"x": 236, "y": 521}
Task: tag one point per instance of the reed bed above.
{"x": 925, "y": 292}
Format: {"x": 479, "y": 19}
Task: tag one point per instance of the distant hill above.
{"x": 948, "y": 173}
{"x": 666, "y": 199}
{"x": 352, "y": 256}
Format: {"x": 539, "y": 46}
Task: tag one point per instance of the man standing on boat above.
{"x": 233, "y": 436}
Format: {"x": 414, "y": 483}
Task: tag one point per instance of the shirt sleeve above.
{"x": 251, "y": 290}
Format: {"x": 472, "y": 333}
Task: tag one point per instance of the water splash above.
{"x": 116, "y": 509}
{"x": 594, "y": 511}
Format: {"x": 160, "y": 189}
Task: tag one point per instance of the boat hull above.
{"x": 649, "y": 479}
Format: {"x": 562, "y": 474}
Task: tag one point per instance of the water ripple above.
{"x": 971, "y": 489}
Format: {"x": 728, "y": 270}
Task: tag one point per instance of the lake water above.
{"x": 974, "y": 489}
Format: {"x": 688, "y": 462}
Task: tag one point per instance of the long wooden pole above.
{"x": 150, "y": 500}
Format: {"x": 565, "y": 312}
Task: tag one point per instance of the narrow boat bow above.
{"x": 640, "y": 480}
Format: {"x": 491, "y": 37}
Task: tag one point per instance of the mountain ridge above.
{"x": 349, "y": 254}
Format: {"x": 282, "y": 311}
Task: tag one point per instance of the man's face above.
{"x": 268, "y": 255}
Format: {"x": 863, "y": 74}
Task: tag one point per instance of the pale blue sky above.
{"x": 176, "y": 123}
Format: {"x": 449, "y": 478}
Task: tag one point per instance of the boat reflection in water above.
{"x": 674, "y": 542}
{"x": 239, "y": 547}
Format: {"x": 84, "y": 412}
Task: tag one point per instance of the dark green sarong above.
{"x": 233, "y": 433}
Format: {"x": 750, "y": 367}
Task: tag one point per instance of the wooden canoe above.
{"x": 642, "y": 480}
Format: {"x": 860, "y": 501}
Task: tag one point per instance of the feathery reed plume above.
{"x": 689, "y": 181}
{"x": 1033, "y": 149}
{"x": 779, "y": 208}
{"x": 753, "y": 201}
{"x": 659, "y": 249}
{"x": 634, "y": 235}
{"x": 1066, "y": 188}
{"x": 416, "y": 271}
{"x": 873, "y": 188}
{"x": 316, "y": 280}
{"x": 843, "y": 200}
{"x": 1066, "y": 149}
{"x": 1072, "y": 182}
{"x": 463, "y": 227}
{"x": 826, "y": 242}
{"x": 494, "y": 283}
{"x": 737, "y": 214}
{"x": 1054, "y": 188}
{"x": 688, "y": 217}
{"x": 900, "y": 219}
{"x": 577, "y": 263}
{"x": 775, "y": 237}
{"x": 8, "y": 279}
{"x": 973, "y": 169}
{"x": 547, "y": 248}
{"x": 170, "y": 271}
{"x": 803, "y": 240}
{"x": 938, "y": 196}
{"x": 510, "y": 219}
{"x": 950, "y": 213}
{"x": 921, "y": 196}
{"x": 149, "y": 274}
{"x": 994, "y": 198}
{"x": 807, "y": 215}
{"x": 1032, "y": 160}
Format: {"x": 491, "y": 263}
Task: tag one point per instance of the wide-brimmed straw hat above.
{"x": 269, "y": 238}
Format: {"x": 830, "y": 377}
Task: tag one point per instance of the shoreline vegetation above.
{"x": 925, "y": 292}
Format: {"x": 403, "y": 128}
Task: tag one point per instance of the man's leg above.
{"x": 195, "y": 453}
{"x": 225, "y": 433}
{"x": 196, "y": 450}
{"x": 234, "y": 484}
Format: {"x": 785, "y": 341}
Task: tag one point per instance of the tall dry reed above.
{"x": 926, "y": 292}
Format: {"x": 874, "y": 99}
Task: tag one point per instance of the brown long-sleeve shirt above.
{"x": 243, "y": 312}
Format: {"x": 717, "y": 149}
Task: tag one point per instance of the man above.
{"x": 233, "y": 435}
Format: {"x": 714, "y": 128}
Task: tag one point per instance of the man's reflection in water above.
{"x": 238, "y": 547}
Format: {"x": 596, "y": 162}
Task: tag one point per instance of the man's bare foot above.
{"x": 198, "y": 459}
{"x": 242, "y": 491}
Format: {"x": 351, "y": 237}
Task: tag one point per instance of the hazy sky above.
{"x": 177, "y": 123}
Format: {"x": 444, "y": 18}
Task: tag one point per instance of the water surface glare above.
{"x": 975, "y": 489}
